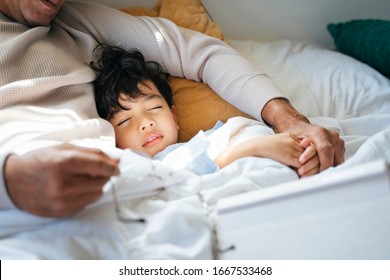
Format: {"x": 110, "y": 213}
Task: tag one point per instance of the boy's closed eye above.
{"x": 123, "y": 121}
{"x": 156, "y": 107}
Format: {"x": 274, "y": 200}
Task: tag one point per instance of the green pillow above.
{"x": 366, "y": 40}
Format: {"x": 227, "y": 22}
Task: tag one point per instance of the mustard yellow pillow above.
{"x": 198, "y": 106}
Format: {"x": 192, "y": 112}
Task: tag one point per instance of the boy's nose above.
{"x": 147, "y": 124}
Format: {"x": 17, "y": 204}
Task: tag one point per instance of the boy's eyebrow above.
{"x": 153, "y": 96}
{"x": 147, "y": 98}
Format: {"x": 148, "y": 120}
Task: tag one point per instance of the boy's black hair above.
{"x": 121, "y": 71}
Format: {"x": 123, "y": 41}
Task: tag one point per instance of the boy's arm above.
{"x": 282, "y": 147}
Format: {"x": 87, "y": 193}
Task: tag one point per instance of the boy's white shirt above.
{"x": 234, "y": 131}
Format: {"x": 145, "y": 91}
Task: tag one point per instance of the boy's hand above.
{"x": 309, "y": 159}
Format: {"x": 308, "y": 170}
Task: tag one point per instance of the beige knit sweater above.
{"x": 46, "y": 91}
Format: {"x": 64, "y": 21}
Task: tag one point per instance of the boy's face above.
{"x": 149, "y": 125}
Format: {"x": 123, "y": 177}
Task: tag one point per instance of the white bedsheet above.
{"x": 177, "y": 226}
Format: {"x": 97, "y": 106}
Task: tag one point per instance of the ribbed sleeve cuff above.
{"x": 5, "y": 201}
{"x": 257, "y": 92}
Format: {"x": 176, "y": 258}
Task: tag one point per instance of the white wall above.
{"x": 126, "y": 3}
{"x": 292, "y": 19}
{"x": 280, "y": 19}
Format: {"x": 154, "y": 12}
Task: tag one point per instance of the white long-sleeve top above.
{"x": 46, "y": 84}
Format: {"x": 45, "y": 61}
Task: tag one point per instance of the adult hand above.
{"x": 58, "y": 181}
{"x": 330, "y": 148}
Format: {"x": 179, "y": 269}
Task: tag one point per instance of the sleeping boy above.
{"x": 135, "y": 97}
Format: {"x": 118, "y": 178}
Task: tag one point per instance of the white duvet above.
{"x": 177, "y": 206}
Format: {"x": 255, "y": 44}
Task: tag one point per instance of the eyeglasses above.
{"x": 215, "y": 244}
{"x": 119, "y": 212}
{"x": 127, "y": 216}
{"x": 130, "y": 217}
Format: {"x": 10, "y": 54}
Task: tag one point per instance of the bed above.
{"x": 164, "y": 212}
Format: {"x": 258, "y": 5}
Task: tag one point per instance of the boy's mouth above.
{"x": 152, "y": 140}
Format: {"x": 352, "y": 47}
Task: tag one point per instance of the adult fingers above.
{"x": 89, "y": 162}
{"x": 77, "y": 185}
{"x": 69, "y": 206}
{"x": 323, "y": 140}
{"x": 339, "y": 150}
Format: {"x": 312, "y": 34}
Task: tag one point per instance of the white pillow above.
{"x": 319, "y": 81}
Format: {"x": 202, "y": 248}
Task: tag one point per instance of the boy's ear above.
{"x": 173, "y": 111}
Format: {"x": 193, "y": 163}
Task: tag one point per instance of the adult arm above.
{"x": 75, "y": 179}
{"x": 181, "y": 52}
